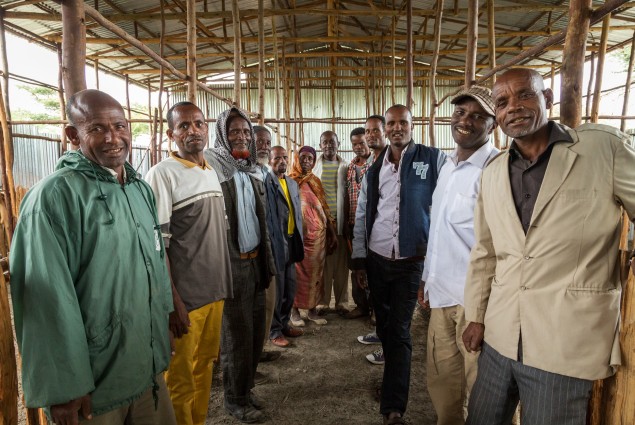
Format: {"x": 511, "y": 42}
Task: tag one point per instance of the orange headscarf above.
{"x": 313, "y": 181}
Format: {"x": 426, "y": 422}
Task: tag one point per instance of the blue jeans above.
{"x": 393, "y": 290}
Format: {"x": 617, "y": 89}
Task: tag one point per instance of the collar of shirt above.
{"x": 557, "y": 133}
{"x": 387, "y": 163}
{"x": 478, "y": 158}
{"x": 189, "y": 164}
{"x": 114, "y": 173}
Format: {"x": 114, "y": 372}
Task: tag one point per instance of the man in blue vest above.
{"x": 396, "y": 189}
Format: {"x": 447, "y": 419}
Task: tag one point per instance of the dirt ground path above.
{"x": 324, "y": 379}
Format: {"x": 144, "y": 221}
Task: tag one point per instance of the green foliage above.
{"x": 623, "y": 56}
{"x": 139, "y": 128}
{"x": 47, "y": 98}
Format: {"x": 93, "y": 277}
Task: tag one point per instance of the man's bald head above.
{"x": 82, "y": 103}
{"x": 329, "y": 143}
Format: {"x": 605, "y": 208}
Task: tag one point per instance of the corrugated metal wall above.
{"x": 350, "y": 103}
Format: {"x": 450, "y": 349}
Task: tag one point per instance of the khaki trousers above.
{"x": 336, "y": 276}
{"x": 451, "y": 369}
{"x": 189, "y": 377}
{"x": 140, "y": 411}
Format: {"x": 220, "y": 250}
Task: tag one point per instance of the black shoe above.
{"x": 255, "y": 401}
{"x": 269, "y": 356}
{"x": 245, "y": 414}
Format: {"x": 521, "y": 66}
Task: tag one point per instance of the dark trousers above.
{"x": 393, "y": 290}
{"x": 285, "y": 293}
{"x": 243, "y": 332}
{"x": 360, "y": 296}
{"x": 547, "y": 398}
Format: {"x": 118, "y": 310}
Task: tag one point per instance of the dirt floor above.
{"x": 323, "y": 378}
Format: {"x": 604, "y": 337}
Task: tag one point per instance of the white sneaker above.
{"x": 376, "y": 357}
{"x": 295, "y": 319}
{"x": 371, "y": 338}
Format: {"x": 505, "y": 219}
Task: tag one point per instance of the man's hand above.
{"x": 360, "y": 278}
{"x": 473, "y": 336}
{"x": 421, "y": 298}
{"x": 331, "y": 238}
{"x": 67, "y": 413}
{"x": 179, "y": 320}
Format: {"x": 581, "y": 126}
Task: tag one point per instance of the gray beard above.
{"x": 264, "y": 161}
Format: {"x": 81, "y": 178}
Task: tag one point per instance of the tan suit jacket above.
{"x": 560, "y": 282}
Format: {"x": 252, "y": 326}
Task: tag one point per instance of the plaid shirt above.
{"x": 354, "y": 177}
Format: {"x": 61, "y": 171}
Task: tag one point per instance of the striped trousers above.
{"x": 546, "y": 398}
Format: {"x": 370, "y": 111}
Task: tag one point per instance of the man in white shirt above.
{"x": 451, "y": 370}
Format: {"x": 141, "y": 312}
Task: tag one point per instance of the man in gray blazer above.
{"x": 290, "y": 214}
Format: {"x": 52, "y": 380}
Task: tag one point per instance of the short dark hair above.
{"x": 259, "y": 128}
{"x": 359, "y": 131}
{"x": 170, "y": 115}
{"x": 381, "y": 118}
{"x": 400, "y": 106}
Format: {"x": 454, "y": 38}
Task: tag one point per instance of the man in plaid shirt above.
{"x": 356, "y": 170}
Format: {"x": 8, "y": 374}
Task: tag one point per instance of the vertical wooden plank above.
{"x": 4, "y": 64}
{"x": 627, "y": 90}
{"x": 472, "y": 40}
{"x": 191, "y": 51}
{"x": 237, "y": 51}
{"x": 73, "y": 46}
{"x": 491, "y": 44}
{"x": 8, "y": 367}
{"x": 595, "y": 108}
{"x": 573, "y": 62}
{"x": 96, "y": 68}
{"x": 60, "y": 93}
{"x": 409, "y": 56}
{"x": 261, "y": 62}
{"x": 433, "y": 71}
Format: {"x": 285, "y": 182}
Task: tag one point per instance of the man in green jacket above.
{"x": 89, "y": 284}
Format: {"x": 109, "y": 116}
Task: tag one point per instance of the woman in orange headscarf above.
{"x": 319, "y": 238}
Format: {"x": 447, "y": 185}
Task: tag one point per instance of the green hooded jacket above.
{"x": 90, "y": 290}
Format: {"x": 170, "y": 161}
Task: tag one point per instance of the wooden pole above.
{"x": 4, "y": 64}
{"x": 191, "y": 50}
{"x": 394, "y": 62}
{"x": 627, "y": 90}
{"x": 589, "y": 90}
{"x": 73, "y": 46}
{"x": 7, "y": 167}
{"x": 277, "y": 70}
{"x": 127, "y": 81}
{"x": 96, "y": 68}
{"x": 573, "y": 62}
{"x": 60, "y": 93}
{"x": 97, "y": 17}
{"x": 8, "y": 367}
{"x": 261, "y": 62}
{"x": 433, "y": 72}
{"x": 595, "y": 108}
{"x": 472, "y": 40}
{"x": 161, "y": 82}
{"x": 552, "y": 86}
{"x": 491, "y": 38}
{"x": 237, "y": 51}
{"x": 409, "y": 56}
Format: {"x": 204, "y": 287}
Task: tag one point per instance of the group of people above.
{"x": 220, "y": 250}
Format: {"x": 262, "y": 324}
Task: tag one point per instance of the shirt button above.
{"x": 148, "y": 263}
{"x": 527, "y": 257}
{"x": 527, "y": 195}
{"x": 138, "y": 225}
{"x": 394, "y": 235}
{"x": 522, "y": 288}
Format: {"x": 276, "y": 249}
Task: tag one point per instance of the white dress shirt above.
{"x": 452, "y": 227}
{"x": 384, "y": 239}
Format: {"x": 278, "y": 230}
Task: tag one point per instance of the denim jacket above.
{"x": 419, "y": 170}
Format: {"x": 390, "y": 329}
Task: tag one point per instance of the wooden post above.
{"x": 191, "y": 51}
{"x": 433, "y": 71}
{"x": 627, "y": 89}
{"x": 60, "y": 93}
{"x": 409, "y": 56}
{"x": 127, "y": 81}
{"x": 573, "y": 62}
{"x": 96, "y": 68}
{"x": 491, "y": 37}
{"x": 4, "y": 65}
{"x": 589, "y": 90}
{"x": 237, "y": 52}
{"x": 162, "y": 81}
{"x": 595, "y": 109}
{"x": 276, "y": 76}
{"x": 7, "y": 166}
{"x": 394, "y": 62}
{"x": 261, "y": 62}
{"x": 8, "y": 367}
{"x": 73, "y": 46}
{"x": 472, "y": 40}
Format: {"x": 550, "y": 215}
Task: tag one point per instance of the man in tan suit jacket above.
{"x": 543, "y": 287}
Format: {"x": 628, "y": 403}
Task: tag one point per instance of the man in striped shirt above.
{"x": 331, "y": 169}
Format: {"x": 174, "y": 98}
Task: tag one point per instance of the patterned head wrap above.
{"x": 222, "y": 150}
{"x": 310, "y": 179}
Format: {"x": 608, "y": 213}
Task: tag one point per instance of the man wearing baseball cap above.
{"x": 451, "y": 369}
